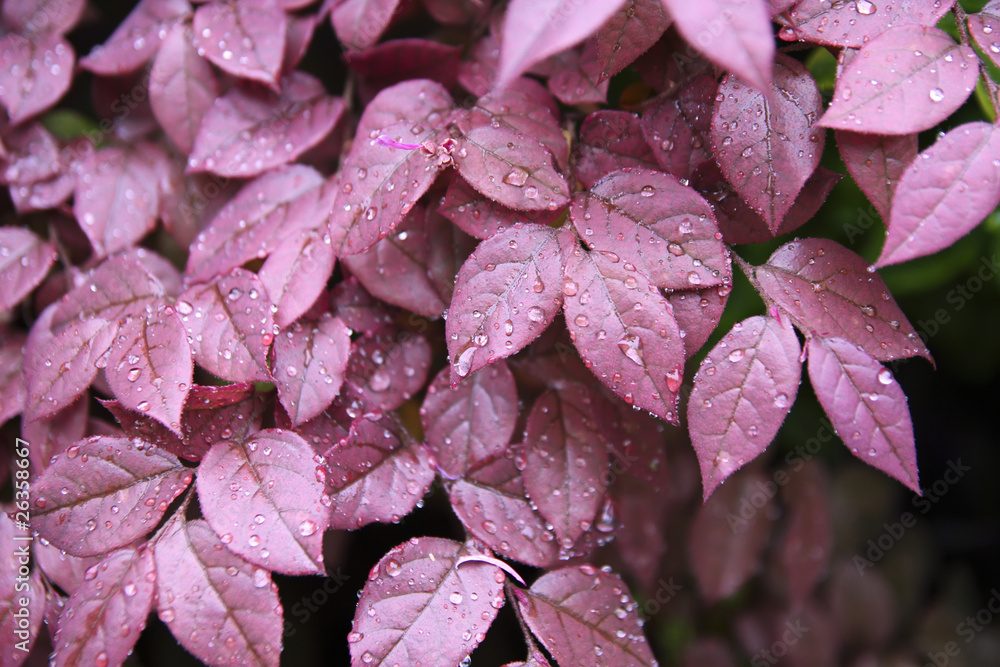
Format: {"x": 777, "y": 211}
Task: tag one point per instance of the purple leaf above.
{"x": 566, "y": 461}
{"x": 577, "y": 76}
{"x": 399, "y": 60}
{"x": 455, "y": 12}
{"x": 656, "y": 226}
{"x": 477, "y": 72}
{"x": 536, "y": 29}
{"x": 318, "y": 352}
{"x": 359, "y": 23}
{"x": 15, "y": 589}
{"x": 506, "y": 294}
{"x": 150, "y": 367}
{"x": 679, "y": 129}
{"x": 231, "y": 325}
{"x": 734, "y": 34}
{"x": 235, "y": 618}
{"x": 511, "y": 168}
{"x": 480, "y": 216}
{"x": 116, "y": 199}
{"x": 808, "y": 541}
{"x": 137, "y": 38}
{"x": 25, "y": 260}
{"x": 854, "y": 24}
{"x": 214, "y": 413}
{"x": 376, "y": 474}
{"x": 65, "y": 571}
{"x": 245, "y": 39}
{"x": 698, "y": 313}
{"x": 295, "y": 274}
{"x": 53, "y": 436}
{"x": 866, "y": 405}
{"x": 32, "y": 17}
{"x": 380, "y": 184}
{"x": 585, "y": 616}
{"x": 725, "y": 547}
{"x": 625, "y": 332}
{"x": 449, "y": 248}
{"x": 262, "y": 497}
{"x": 982, "y": 27}
{"x": 742, "y": 393}
{"x": 12, "y": 389}
{"x": 829, "y": 291}
{"x": 182, "y": 87}
{"x": 876, "y": 162}
{"x": 248, "y": 131}
{"x": 629, "y": 33}
{"x": 34, "y": 73}
{"x": 472, "y": 422}
{"x": 491, "y": 503}
{"x": 254, "y": 222}
{"x": 439, "y": 619}
{"x": 396, "y": 268}
{"x": 32, "y": 155}
{"x": 64, "y": 349}
{"x": 769, "y": 161}
{"x": 907, "y": 79}
{"x": 356, "y": 307}
{"x": 611, "y": 140}
{"x": 944, "y": 193}
{"x": 117, "y": 489}
{"x": 106, "y": 613}
{"x": 387, "y": 367}
{"x": 301, "y": 28}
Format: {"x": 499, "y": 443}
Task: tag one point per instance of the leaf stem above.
{"x": 961, "y": 20}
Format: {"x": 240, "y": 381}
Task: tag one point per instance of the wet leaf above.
{"x": 309, "y": 360}
{"x": 14, "y": 590}
{"x": 877, "y": 162}
{"x": 480, "y": 216}
{"x": 245, "y": 39}
{"x": 296, "y": 272}
{"x": 25, "y": 260}
{"x": 387, "y": 367}
{"x": 629, "y": 33}
{"x": 137, "y": 38}
{"x": 611, "y": 140}
{"x": 855, "y": 24}
{"x": 678, "y": 128}
{"x": 360, "y": 23}
{"x": 33, "y": 17}
{"x": 34, "y": 73}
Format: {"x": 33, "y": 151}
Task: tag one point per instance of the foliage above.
{"x": 550, "y": 189}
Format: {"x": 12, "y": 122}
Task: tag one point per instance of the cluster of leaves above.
{"x": 275, "y": 384}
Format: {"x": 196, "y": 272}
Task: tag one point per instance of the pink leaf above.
{"x": 854, "y": 24}
{"x": 262, "y": 497}
{"x": 182, "y": 87}
{"x": 734, "y": 34}
{"x": 231, "y": 324}
{"x": 25, "y": 260}
{"x": 296, "y": 273}
{"x": 907, "y": 79}
{"x": 506, "y": 294}
{"x": 117, "y": 489}
{"x": 477, "y": 72}
{"x": 511, "y": 168}
{"x": 866, "y": 405}
{"x": 877, "y": 162}
{"x": 387, "y": 367}
{"x": 767, "y": 145}
{"x": 625, "y": 332}
{"x": 567, "y": 461}
{"x": 236, "y": 617}
{"x": 725, "y": 545}
{"x": 32, "y": 155}
{"x": 585, "y": 616}
{"x": 944, "y": 193}
{"x": 65, "y": 571}
{"x": 150, "y": 368}
{"x": 439, "y": 619}
{"x": 480, "y": 216}
{"x": 318, "y": 352}
{"x": 248, "y": 131}
{"x": 359, "y": 23}
{"x": 116, "y": 197}
{"x": 536, "y": 29}
{"x": 491, "y": 503}
{"x": 610, "y": 140}
{"x": 828, "y": 290}
{"x": 471, "y": 422}
{"x": 16, "y": 590}
{"x": 12, "y": 390}
{"x": 214, "y": 413}
{"x": 106, "y": 613}
{"x": 698, "y": 313}
{"x": 577, "y": 76}
{"x": 34, "y": 73}
{"x": 629, "y": 33}
{"x": 375, "y": 474}
{"x": 53, "y": 436}
{"x": 380, "y": 184}
{"x": 254, "y": 222}
{"x": 137, "y": 38}
{"x": 357, "y": 308}
{"x": 679, "y": 128}
{"x": 982, "y": 26}
{"x": 245, "y": 39}
{"x": 32, "y": 17}
{"x": 391, "y": 62}
{"x": 662, "y": 229}
{"x": 808, "y": 541}
{"x": 742, "y": 393}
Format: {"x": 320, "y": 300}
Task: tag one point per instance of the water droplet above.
{"x": 647, "y": 191}
{"x": 885, "y": 376}
{"x": 570, "y": 287}
{"x": 464, "y": 363}
{"x": 516, "y": 177}
{"x": 936, "y": 94}
{"x": 581, "y": 320}
{"x": 631, "y": 346}
{"x": 455, "y": 598}
{"x": 536, "y": 314}
{"x": 735, "y": 355}
{"x": 866, "y": 8}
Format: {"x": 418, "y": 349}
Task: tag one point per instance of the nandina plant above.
{"x": 242, "y": 313}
